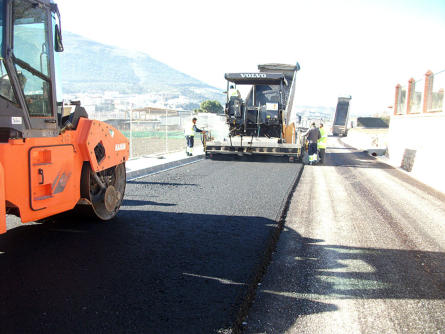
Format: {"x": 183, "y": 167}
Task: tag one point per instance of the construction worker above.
{"x": 233, "y": 92}
{"x": 322, "y": 142}
{"x": 312, "y": 135}
{"x": 190, "y": 136}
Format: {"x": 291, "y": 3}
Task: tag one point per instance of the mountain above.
{"x": 89, "y": 67}
{"x": 315, "y": 112}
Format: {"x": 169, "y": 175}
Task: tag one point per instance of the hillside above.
{"x": 92, "y": 67}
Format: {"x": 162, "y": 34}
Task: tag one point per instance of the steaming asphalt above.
{"x": 362, "y": 251}
{"x": 178, "y": 258}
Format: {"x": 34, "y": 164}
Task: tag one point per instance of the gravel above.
{"x": 362, "y": 251}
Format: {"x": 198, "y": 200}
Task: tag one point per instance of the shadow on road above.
{"x": 135, "y": 202}
{"x": 186, "y": 273}
{"x": 313, "y": 272}
{"x": 143, "y": 272}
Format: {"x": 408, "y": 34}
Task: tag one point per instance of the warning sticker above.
{"x": 120, "y": 147}
{"x": 272, "y": 106}
{"x": 16, "y": 121}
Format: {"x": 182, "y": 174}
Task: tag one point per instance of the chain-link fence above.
{"x": 159, "y": 131}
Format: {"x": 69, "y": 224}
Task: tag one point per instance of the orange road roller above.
{"x": 52, "y": 157}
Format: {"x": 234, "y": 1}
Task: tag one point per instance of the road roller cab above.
{"x": 52, "y": 157}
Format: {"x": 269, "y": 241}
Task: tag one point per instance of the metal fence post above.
{"x": 131, "y": 132}
{"x": 166, "y": 132}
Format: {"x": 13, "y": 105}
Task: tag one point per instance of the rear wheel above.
{"x": 106, "y": 192}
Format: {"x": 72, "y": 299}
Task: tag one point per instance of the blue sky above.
{"x": 429, "y": 9}
{"x": 362, "y": 48}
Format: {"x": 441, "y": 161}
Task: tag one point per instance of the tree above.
{"x": 212, "y": 106}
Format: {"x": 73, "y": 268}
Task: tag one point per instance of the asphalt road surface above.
{"x": 362, "y": 251}
{"x": 179, "y": 258}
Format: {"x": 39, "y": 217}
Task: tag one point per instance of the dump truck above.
{"x": 340, "y": 124}
{"x": 52, "y": 157}
{"x": 262, "y": 123}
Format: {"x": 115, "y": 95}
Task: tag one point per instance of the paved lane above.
{"x": 178, "y": 259}
{"x": 363, "y": 251}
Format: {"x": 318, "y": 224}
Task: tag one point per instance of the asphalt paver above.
{"x": 362, "y": 251}
{"x": 178, "y": 258}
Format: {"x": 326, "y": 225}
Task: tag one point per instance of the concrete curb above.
{"x": 131, "y": 175}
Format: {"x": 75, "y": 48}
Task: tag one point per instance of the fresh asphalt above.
{"x": 362, "y": 251}
{"x": 180, "y": 257}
